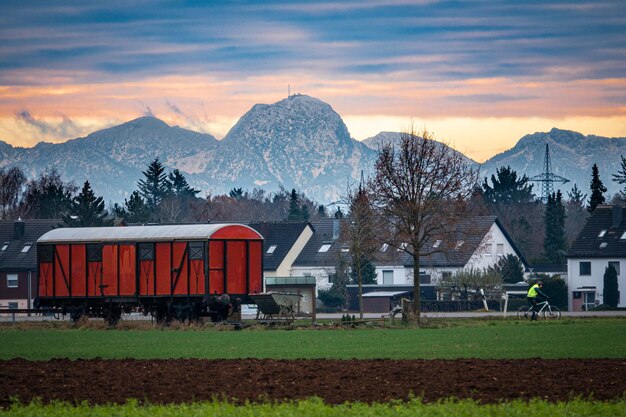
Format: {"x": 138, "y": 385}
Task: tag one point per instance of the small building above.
{"x": 18, "y": 260}
{"x": 601, "y": 242}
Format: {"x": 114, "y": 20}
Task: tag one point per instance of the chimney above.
{"x": 336, "y": 228}
{"x": 19, "y": 228}
{"x": 618, "y": 215}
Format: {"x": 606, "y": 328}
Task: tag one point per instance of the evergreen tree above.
{"x": 620, "y": 177}
{"x": 506, "y": 188}
{"x": 86, "y": 209}
{"x": 153, "y": 187}
{"x": 178, "y": 186}
{"x": 236, "y": 193}
{"x": 554, "y": 218}
{"x": 304, "y": 213}
{"x": 597, "y": 189}
{"x": 136, "y": 209}
{"x": 294, "y": 207}
{"x": 510, "y": 268}
{"x": 576, "y": 196}
{"x": 611, "y": 287}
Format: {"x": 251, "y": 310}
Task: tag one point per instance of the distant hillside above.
{"x": 572, "y": 155}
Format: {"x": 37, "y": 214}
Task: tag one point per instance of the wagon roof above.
{"x": 139, "y": 233}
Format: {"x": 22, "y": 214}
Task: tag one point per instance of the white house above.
{"x": 601, "y": 243}
{"x": 478, "y": 242}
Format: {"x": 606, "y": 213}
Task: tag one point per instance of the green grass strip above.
{"x": 496, "y": 339}
{"x": 317, "y": 408}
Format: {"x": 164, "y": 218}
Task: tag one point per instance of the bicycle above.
{"x": 545, "y": 310}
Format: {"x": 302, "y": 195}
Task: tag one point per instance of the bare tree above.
{"x": 362, "y": 238}
{"x": 12, "y": 182}
{"x": 420, "y": 191}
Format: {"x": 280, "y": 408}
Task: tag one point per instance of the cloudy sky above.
{"x": 480, "y": 74}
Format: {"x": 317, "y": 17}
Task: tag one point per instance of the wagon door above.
{"x": 45, "y": 253}
{"x": 94, "y": 270}
{"x": 180, "y": 268}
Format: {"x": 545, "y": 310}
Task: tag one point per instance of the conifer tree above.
{"x": 611, "y": 287}
{"x": 554, "y": 218}
{"x": 178, "y": 186}
{"x": 294, "y": 207}
{"x": 576, "y": 197}
{"x": 506, "y": 188}
{"x": 620, "y": 177}
{"x": 136, "y": 209}
{"x": 154, "y": 186}
{"x": 86, "y": 209}
{"x": 597, "y": 189}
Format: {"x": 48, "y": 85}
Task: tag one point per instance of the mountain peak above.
{"x": 146, "y": 122}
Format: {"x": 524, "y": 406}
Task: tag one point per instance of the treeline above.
{"x": 160, "y": 197}
{"x": 544, "y": 230}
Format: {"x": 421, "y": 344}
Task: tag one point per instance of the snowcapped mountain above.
{"x": 572, "y": 155}
{"x": 111, "y": 159}
{"x": 299, "y": 142}
{"x": 395, "y": 138}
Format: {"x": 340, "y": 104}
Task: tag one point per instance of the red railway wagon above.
{"x": 174, "y": 271}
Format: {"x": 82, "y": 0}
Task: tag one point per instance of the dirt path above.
{"x": 336, "y": 381}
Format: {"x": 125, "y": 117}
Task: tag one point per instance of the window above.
{"x": 387, "y": 277}
{"x": 615, "y": 265}
{"x": 403, "y": 246}
{"x": 12, "y": 305}
{"x": 603, "y": 245}
{"x": 331, "y": 278}
{"x": 384, "y": 247}
{"x": 146, "y": 251}
{"x": 602, "y": 233}
{"x": 488, "y": 249}
{"x": 26, "y": 247}
{"x": 500, "y": 249}
{"x": 585, "y": 268}
{"x": 45, "y": 253}
{"x": 4, "y": 247}
{"x": 345, "y": 248}
{"x": 623, "y": 235}
{"x": 196, "y": 251}
{"x": 437, "y": 243}
{"x": 94, "y": 252}
{"x": 271, "y": 249}
{"x": 459, "y": 243}
{"x": 11, "y": 280}
{"x": 325, "y": 247}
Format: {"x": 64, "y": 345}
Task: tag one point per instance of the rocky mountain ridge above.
{"x": 299, "y": 142}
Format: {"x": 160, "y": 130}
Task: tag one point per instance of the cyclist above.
{"x": 533, "y": 293}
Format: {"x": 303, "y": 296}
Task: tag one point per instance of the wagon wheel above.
{"x": 113, "y": 314}
{"x": 287, "y": 313}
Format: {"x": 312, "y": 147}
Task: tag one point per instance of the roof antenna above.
{"x": 288, "y": 90}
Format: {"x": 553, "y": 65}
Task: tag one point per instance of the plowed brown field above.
{"x": 336, "y": 381}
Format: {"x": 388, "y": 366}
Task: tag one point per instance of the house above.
{"x": 478, "y": 242}
{"x": 283, "y": 242}
{"x": 18, "y": 260}
{"x": 601, "y": 242}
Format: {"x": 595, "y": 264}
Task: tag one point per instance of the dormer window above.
{"x": 271, "y": 249}
{"x": 602, "y": 233}
{"x": 324, "y": 248}
{"x": 26, "y": 247}
{"x": 4, "y": 247}
{"x": 384, "y": 247}
{"x": 437, "y": 243}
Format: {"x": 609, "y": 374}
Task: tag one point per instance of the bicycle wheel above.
{"x": 553, "y": 313}
{"x": 523, "y": 313}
